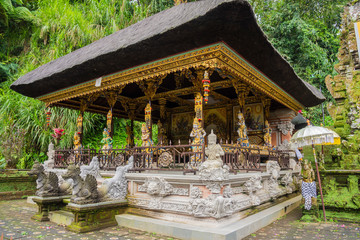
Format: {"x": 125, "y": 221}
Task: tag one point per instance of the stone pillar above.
{"x": 281, "y": 126}
{"x": 79, "y": 124}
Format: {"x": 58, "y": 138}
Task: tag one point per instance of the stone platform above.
{"x": 235, "y": 230}
{"x": 190, "y": 198}
{"x": 95, "y": 216}
{"x": 46, "y": 205}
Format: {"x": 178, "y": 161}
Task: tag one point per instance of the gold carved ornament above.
{"x": 206, "y": 84}
{"x": 217, "y": 56}
{"x": 198, "y": 106}
{"x": 148, "y": 115}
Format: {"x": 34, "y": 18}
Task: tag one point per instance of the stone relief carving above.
{"x": 195, "y": 192}
{"x": 228, "y": 192}
{"x": 285, "y": 145}
{"x": 157, "y": 204}
{"x": 273, "y": 168}
{"x": 252, "y": 186}
{"x": 272, "y": 186}
{"x": 294, "y": 165}
{"x": 237, "y": 190}
{"x": 215, "y": 205}
{"x": 93, "y": 169}
{"x": 286, "y": 127}
{"x": 288, "y": 181}
{"x": 116, "y": 187}
{"x": 158, "y": 186}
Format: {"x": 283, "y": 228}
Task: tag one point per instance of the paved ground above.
{"x": 15, "y": 222}
{"x": 289, "y": 227}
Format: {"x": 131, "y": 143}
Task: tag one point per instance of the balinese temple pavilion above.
{"x": 205, "y": 63}
{"x": 223, "y": 99}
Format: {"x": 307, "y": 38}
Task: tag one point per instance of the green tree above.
{"x": 306, "y": 33}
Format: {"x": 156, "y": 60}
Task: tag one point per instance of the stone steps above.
{"x": 61, "y": 217}
{"x": 227, "y": 231}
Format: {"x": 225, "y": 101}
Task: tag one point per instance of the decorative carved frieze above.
{"x": 216, "y": 56}
{"x": 286, "y": 127}
{"x": 252, "y": 186}
{"x": 159, "y": 187}
{"x": 288, "y": 182}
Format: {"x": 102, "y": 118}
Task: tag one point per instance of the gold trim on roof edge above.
{"x": 215, "y": 56}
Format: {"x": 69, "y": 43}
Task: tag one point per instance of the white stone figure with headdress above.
{"x": 214, "y": 152}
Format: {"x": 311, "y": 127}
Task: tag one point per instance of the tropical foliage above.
{"x": 35, "y": 32}
{"x": 306, "y": 33}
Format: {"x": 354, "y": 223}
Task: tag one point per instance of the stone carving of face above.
{"x": 153, "y": 188}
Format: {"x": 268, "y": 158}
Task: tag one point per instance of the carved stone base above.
{"x": 190, "y": 196}
{"x": 47, "y": 204}
{"x": 91, "y": 217}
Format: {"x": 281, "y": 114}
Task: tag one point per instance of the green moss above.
{"x": 339, "y": 197}
{"x": 343, "y": 216}
{"x": 309, "y": 218}
{"x": 12, "y": 181}
{"x": 13, "y": 173}
{"x": 17, "y": 186}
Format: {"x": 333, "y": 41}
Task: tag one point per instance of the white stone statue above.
{"x": 116, "y": 187}
{"x": 272, "y": 186}
{"x": 252, "y": 186}
{"x": 93, "y": 169}
{"x": 49, "y": 164}
{"x": 212, "y": 172}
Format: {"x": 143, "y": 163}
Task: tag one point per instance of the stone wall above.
{"x": 345, "y": 88}
{"x": 15, "y": 185}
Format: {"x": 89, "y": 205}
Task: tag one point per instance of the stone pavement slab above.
{"x": 15, "y": 222}
{"x": 289, "y": 227}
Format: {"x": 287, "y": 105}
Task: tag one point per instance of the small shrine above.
{"x": 222, "y": 97}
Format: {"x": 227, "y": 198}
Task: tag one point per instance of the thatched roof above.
{"x": 179, "y": 29}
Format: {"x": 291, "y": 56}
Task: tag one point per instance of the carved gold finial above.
{"x": 148, "y": 115}
{"x": 198, "y": 106}
{"x": 109, "y": 120}
{"x": 206, "y": 84}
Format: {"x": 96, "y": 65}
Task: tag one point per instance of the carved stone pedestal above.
{"x": 91, "y": 217}
{"x": 313, "y": 214}
{"x": 47, "y": 204}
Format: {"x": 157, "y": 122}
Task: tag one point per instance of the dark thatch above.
{"x": 179, "y": 29}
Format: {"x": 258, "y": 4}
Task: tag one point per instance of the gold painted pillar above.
{"x": 162, "y": 123}
{"x": 266, "y": 102}
{"x": 198, "y": 108}
{"x": 111, "y": 98}
{"x": 132, "y": 115}
{"x": 242, "y": 90}
{"x": 85, "y": 102}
